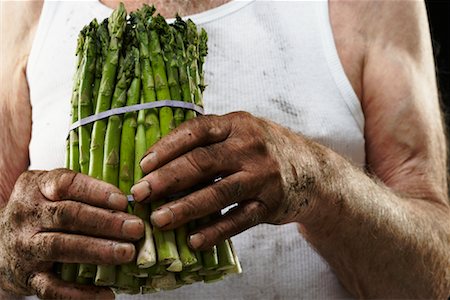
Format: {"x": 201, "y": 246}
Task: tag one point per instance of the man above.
{"x": 385, "y": 232}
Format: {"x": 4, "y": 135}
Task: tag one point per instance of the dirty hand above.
{"x": 267, "y": 170}
{"x": 62, "y": 216}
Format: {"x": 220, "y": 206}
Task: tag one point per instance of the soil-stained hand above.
{"x": 257, "y": 162}
{"x": 62, "y": 216}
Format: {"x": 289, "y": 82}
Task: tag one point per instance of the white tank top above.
{"x": 275, "y": 59}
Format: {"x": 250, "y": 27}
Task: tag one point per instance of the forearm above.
{"x": 13, "y": 154}
{"x": 379, "y": 243}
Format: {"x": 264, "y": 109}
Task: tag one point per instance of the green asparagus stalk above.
{"x": 147, "y": 254}
{"x": 106, "y": 273}
{"x": 165, "y": 245}
{"x": 186, "y": 82}
{"x": 68, "y": 270}
{"x": 151, "y": 82}
{"x": 102, "y": 49}
{"x": 127, "y": 146}
{"x": 171, "y": 62}
{"x": 213, "y": 278}
{"x": 87, "y": 73}
{"x": 202, "y": 52}
{"x": 152, "y": 130}
{"x": 192, "y": 53}
{"x": 85, "y": 94}
{"x": 116, "y": 28}
{"x": 167, "y": 123}
{"x": 209, "y": 257}
{"x": 166, "y": 120}
{"x": 140, "y": 143}
{"x": 198, "y": 254}
{"x": 225, "y": 255}
{"x": 237, "y": 269}
{"x": 187, "y": 255}
{"x": 113, "y": 133}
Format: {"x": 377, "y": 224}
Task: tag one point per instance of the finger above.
{"x": 198, "y": 166}
{"x": 63, "y": 184}
{"x": 198, "y": 132}
{"x": 213, "y": 198}
{"x": 48, "y": 286}
{"x": 93, "y": 221}
{"x": 238, "y": 219}
{"x": 71, "y": 248}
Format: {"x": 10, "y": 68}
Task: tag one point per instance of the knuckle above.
{"x": 46, "y": 291}
{"x": 240, "y": 114}
{"x": 225, "y": 192}
{"x": 201, "y": 159}
{"x": 190, "y": 209}
{"x": 57, "y": 182}
{"x": 257, "y": 212}
{"x": 64, "y": 214}
{"x": 220, "y": 231}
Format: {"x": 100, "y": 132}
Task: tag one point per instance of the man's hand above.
{"x": 61, "y": 216}
{"x": 251, "y": 156}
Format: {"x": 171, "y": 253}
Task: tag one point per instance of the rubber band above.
{"x": 137, "y": 107}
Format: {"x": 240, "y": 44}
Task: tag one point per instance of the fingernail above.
{"x": 149, "y": 162}
{"x": 162, "y": 217}
{"x": 141, "y": 190}
{"x": 132, "y": 228}
{"x": 117, "y": 201}
{"x": 123, "y": 252}
{"x": 197, "y": 240}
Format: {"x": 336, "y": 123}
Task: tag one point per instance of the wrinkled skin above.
{"x": 61, "y": 216}
{"x": 253, "y": 157}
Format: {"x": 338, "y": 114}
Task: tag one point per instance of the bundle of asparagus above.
{"x": 124, "y": 61}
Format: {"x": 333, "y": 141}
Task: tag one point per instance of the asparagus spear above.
{"x": 147, "y": 254}
{"x": 152, "y": 130}
{"x": 186, "y": 82}
{"x": 187, "y": 255}
{"x": 85, "y": 94}
{"x": 112, "y": 137}
{"x": 213, "y": 278}
{"x": 160, "y": 77}
{"x": 106, "y": 274}
{"x": 166, "y": 125}
{"x": 192, "y": 52}
{"x": 151, "y": 81}
{"x": 167, "y": 45}
{"x": 127, "y": 146}
{"x": 69, "y": 271}
{"x": 166, "y": 246}
{"x": 140, "y": 143}
{"x": 116, "y": 27}
{"x": 87, "y": 73}
{"x": 202, "y": 53}
{"x": 226, "y": 257}
{"x": 102, "y": 41}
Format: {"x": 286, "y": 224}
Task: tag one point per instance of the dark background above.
{"x": 439, "y": 19}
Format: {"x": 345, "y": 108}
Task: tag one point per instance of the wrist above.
{"x": 321, "y": 202}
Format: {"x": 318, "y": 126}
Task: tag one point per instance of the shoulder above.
{"x": 362, "y": 28}
{"x": 404, "y": 132}
{"x": 19, "y": 20}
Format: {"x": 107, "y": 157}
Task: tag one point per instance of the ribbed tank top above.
{"x": 274, "y": 59}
